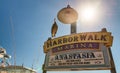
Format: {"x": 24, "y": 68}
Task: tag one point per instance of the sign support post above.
{"x": 43, "y": 67}
{"x": 44, "y": 71}
{"x": 73, "y": 28}
{"x": 113, "y": 69}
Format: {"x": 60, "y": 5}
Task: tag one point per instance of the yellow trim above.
{"x": 98, "y": 37}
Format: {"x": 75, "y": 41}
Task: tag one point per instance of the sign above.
{"x": 95, "y": 37}
{"x": 82, "y": 51}
{"x": 78, "y": 59}
{"x": 76, "y": 46}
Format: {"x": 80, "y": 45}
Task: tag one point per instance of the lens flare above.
{"x": 88, "y": 14}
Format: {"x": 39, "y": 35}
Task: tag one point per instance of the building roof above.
{"x": 12, "y": 67}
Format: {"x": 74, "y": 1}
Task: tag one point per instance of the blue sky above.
{"x": 26, "y": 24}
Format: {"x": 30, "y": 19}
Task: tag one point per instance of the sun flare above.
{"x": 88, "y": 14}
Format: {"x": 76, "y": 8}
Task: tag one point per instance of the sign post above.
{"x": 43, "y": 67}
{"x": 73, "y": 28}
{"x": 113, "y": 69}
{"x": 78, "y": 51}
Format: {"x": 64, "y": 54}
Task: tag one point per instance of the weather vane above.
{"x": 54, "y": 29}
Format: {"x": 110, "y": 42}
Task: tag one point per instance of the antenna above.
{"x": 13, "y": 39}
{"x": 23, "y": 63}
{"x": 68, "y": 2}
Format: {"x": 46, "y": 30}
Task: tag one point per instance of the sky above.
{"x": 26, "y": 24}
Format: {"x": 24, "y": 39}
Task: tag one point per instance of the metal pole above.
{"x": 43, "y": 67}
{"x": 113, "y": 69}
{"x": 73, "y": 28}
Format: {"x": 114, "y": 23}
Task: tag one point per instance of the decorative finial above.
{"x": 68, "y": 6}
{"x": 54, "y": 28}
{"x": 104, "y": 30}
{"x": 54, "y": 20}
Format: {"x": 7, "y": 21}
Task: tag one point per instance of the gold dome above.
{"x": 67, "y": 15}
